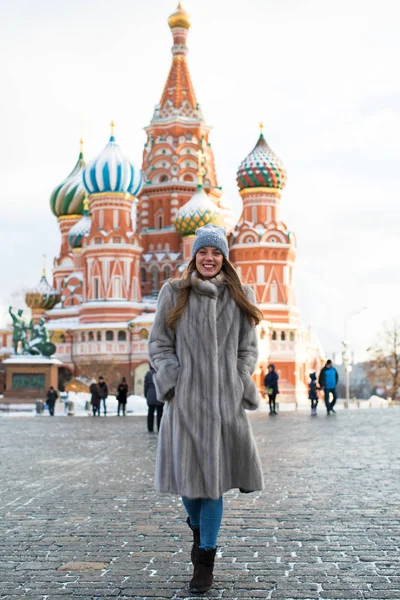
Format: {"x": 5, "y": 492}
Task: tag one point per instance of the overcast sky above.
{"x": 322, "y": 75}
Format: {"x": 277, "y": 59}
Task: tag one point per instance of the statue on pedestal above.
{"x": 39, "y": 341}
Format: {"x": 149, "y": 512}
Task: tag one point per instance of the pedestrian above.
{"x": 103, "y": 388}
{"x": 328, "y": 380}
{"x": 153, "y": 404}
{"x": 203, "y": 347}
{"x": 122, "y": 396}
{"x": 95, "y": 399}
{"x": 51, "y": 398}
{"x": 313, "y": 393}
{"x": 271, "y": 388}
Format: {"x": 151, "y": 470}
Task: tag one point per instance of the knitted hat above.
{"x": 211, "y": 235}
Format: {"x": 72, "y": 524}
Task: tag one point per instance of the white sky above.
{"x": 322, "y": 75}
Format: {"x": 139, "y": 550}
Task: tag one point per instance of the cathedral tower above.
{"x": 66, "y": 203}
{"x": 111, "y": 250}
{"x": 174, "y": 137}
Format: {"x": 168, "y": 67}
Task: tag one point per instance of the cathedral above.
{"x": 125, "y": 231}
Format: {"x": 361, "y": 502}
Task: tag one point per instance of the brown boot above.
{"x": 196, "y": 540}
{"x": 203, "y": 571}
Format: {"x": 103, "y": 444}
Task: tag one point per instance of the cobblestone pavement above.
{"x": 80, "y": 519}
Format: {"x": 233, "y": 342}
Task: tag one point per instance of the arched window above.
{"x": 167, "y": 272}
{"x": 144, "y": 334}
{"x": 62, "y": 338}
{"x": 163, "y": 179}
{"x": 122, "y": 336}
{"x": 109, "y": 336}
{"x": 283, "y": 336}
{"x": 154, "y": 273}
{"x": 98, "y": 335}
{"x": 90, "y": 336}
{"x": 83, "y": 337}
{"x": 274, "y": 336}
{"x": 291, "y": 336}
{"x": 143, "y": 275}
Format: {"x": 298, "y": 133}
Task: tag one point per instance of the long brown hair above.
{"x": 235, "y": 287}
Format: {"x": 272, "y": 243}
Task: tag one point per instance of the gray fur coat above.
{"x": 204, "y": 375}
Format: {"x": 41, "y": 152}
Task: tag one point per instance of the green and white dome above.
{"x": 67, "y": 198}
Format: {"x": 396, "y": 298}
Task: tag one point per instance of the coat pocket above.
{"x": 250, "y": 398}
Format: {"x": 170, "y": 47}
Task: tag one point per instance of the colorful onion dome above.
{"x": 82, "y": 228}
{"x": 198, "y": 211}
{"x": 179, "y": 18}
{"x": 43, "y": 295}
{"x": 111, "y": 172}
{"x": 67, "y": 198}
{"x": 261, "y": 168}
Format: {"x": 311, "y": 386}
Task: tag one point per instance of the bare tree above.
{"x": 384, "y": 367}
{"x": 111, "y": 370}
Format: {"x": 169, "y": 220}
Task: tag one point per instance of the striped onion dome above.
{"x": 261, "y": 168}
{"x": 43, "y": 295}
{"x": 81, "y": 229}
{"x": 112, "y": 172}
{"x": 67, "y": 198}
{"x": 198, "y": 211}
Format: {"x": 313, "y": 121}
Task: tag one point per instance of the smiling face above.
{"x": 209, "y": 261}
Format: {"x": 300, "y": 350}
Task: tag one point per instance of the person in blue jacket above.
{"x": 271, "y": 388}
{"x": 328, "y": 380}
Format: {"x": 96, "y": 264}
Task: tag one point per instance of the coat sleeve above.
{"x": 162, "y": 349}
{"x": 247, "y": 359}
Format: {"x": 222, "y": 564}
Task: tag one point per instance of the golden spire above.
{"x": 81, "y": 145}
{"x": 261, "y": 128}
{"x": 112, "y": 125}
{"x": 179, "y": 18}
{"x": 86, "y": 204}
{"x": 44, "y": 265}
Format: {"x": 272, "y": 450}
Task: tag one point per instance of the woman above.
{"x": 95, "y": 398}
{"x": 122, "y": 396}
{"x": 153, "y": 404}
{"x": 271, "y": 388}
{"x": 203, "y": 347}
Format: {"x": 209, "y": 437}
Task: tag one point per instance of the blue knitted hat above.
{"x": 211, "y": 235}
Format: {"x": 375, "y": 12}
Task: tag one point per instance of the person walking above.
{"x": 51, "y": 398}
{"x": 271, "y": 388}
{"x": 103, "y": 388}
{"x": 122, "y": 396}
{"x": 203, "y": 347}
{"x": 153, "y": 404}
{"x": 328, "y": 380}
{"x": 95, "y": 399}
{"x": 313, "y": 393}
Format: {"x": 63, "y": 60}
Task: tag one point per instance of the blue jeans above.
{"x": 206, "y": 514}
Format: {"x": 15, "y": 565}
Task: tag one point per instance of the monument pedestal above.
{"x": 28, "y": 378}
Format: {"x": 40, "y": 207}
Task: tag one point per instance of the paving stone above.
{"x": 78, "y": 494}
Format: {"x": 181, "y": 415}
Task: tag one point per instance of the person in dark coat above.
{"x": 122, "y": 396}
{"x": 313, "y": 393}
{"x": 328, "y": 380}
{"x": 96, "y": 398}
{"x": 103, "y": 388}
{"x": 51, "y": 400}
{"x": 271, "y": 388}
{"x": 152, "y": 402}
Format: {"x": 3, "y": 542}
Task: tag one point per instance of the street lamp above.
{"x": 346, "y": 353}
